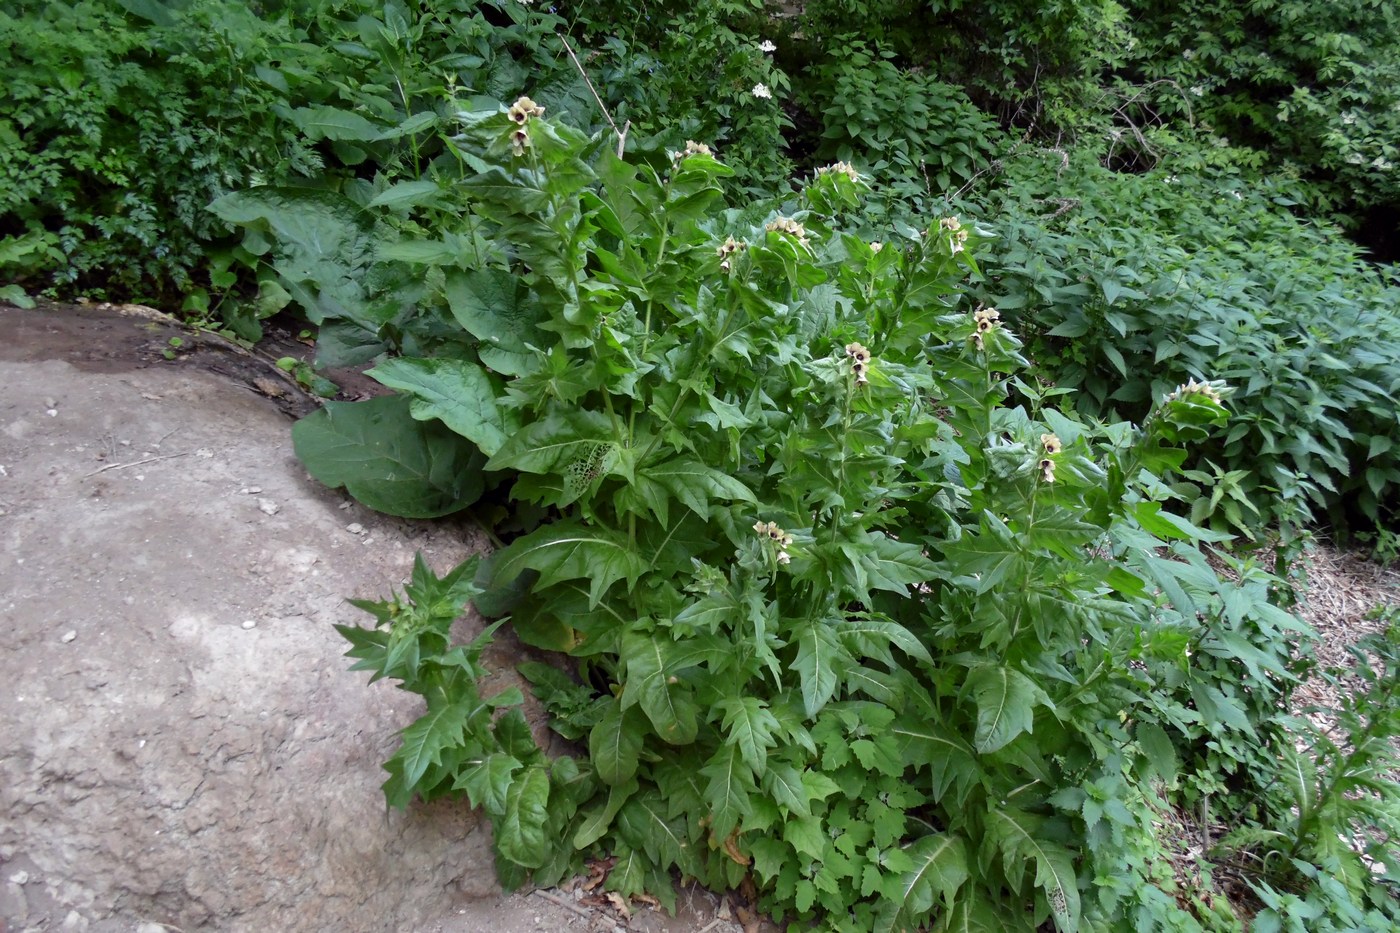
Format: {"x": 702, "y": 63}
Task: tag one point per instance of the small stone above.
{"x": 269, "y": 507}
{"x": 344, "y": 505}
{"x": 74, "y": 922}
{"x": 50, "y": 403}
{"x": 204, "y": 453}
{"x": 249, "y": 624}
{"x": 52, "y": 412}
{"x": 20, "y": 877}
{"x": 152, "y": 928}
{"x": 355, "y": 528}
{"x": 124, "y": 443}
{"x": 252, "y": 490}
{"x": 68, "y": 636}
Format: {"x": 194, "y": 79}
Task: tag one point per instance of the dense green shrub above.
{"x": 896, "y": 123}
{"x": 1317, "y": 85}
{"x": 1131, "y": 284}
{"x": 843, "y": 622}
{"x": 117, "y": 132}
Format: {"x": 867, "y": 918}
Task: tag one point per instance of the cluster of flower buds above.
{"x": 789, "y": 226}
{"x": 956, "y": 231}
{"x": 876, "y": 246}
{"x": 860, "y": 362}
{"x": 986, "y": 319}
{"x": 522, "y": 112}
{"x": 1192, "y": 387}
{"x": 692, "y": 148}
{"x": 772, "y": 532}
{"x": 1052, "y": 445}
{"x": 726, "y": 249}
{"x": 840, "y": 168}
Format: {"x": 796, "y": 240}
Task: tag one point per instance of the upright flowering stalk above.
{"x": 1050, "y": 443}
{"x": 770, "y": 532}
{"x": 521, "y": 113}
{"x": 987, "y": 319}
{"x": 860, "y": 362}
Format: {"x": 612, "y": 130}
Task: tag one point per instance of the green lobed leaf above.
{"x": 728, "y": 789}
{"x": 1006, "y": 702}
{"x": 615, "y": 743}
{"x": 939, "y": 870}
{"x": 821, "y": 662}
{"x": 487, "y": 781}
{"x": 571, "y": 550}
{"x": 651, "y": 668}
{"x": 750, "y": 725}
{"x": 435, "y": 731}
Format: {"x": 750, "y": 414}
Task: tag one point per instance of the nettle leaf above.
{"x": 521, "y": 833}
{"x": 1006, "y": 702}
{"x": 615, "y": 743}
{"x": 750, "y": 725}
{"x": 571, "y": 550}
{"x": 820, "y": 664}
{"x": 939, "y": 870}
{"x": 387, "y": 460}
{"x": 1014, "y": 834}
{"x": 456, "y": 392}
{"x": 652, "y": 681}
{"x": 730, "y": 784}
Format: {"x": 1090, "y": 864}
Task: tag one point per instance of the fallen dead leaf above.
{"x": 619, "y": 904}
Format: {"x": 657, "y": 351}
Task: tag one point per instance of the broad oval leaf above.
{"x": 389, "y": 461}
{"x": 456, "y": 392}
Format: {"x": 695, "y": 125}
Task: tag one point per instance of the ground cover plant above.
{"x": 841, "y": 622}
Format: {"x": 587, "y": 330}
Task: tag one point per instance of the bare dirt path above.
{"x": 181, "y": 746}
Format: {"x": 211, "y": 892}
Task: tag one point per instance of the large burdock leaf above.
{"x": 389, "y": 461}
{"x": 571, "y": 550}
{"x": 1005, "y": 705}
{"x": 938, "y": 871}
{"x": 323, "y": 245}
{"x": 520, "y": 834}
{"x": 456, "y": 392}
{"x": 491, "y": 306}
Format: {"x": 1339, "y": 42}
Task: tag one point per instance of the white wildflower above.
{"x": 761, "y": 90}
{"x": 766, "y": 46}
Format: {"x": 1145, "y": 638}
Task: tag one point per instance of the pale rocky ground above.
{"x": 181, "y": 745}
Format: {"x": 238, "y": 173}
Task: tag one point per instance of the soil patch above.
{"x": 181, "y": 745}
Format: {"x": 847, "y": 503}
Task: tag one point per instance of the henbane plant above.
{"x": 835, "y": 620}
